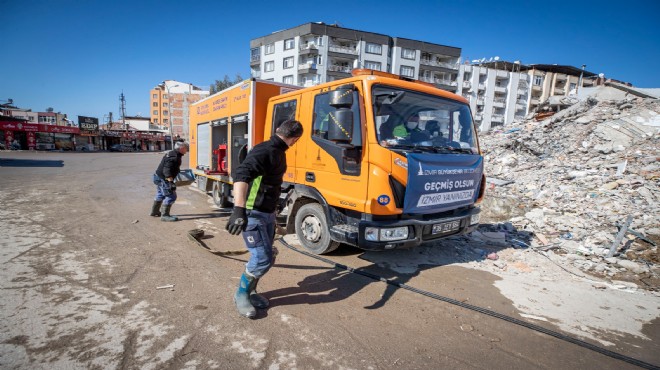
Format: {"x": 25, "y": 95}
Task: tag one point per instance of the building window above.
{"x": 155, "y": 96}
{"x": 156, "y": 121}
{"x": 374, "y": 48}
{"x": 407, "y": 71}
{"x": 288, "y": 79}
{"x": 155, "y": 104}
{"x": 165, "y": 113}
{"x": 372, "y": 65}
{"x": 289, "y": 44}
{"x": 155, "y": 113}
{"x": 408, "y": 53}
{"x": 288, "y": 62}
{"x": 319, "y": 60}
{"x": 254, "y": 54}
{"x": 572, "y": 86}
{"x": 319, "y": 40}
{"x": 166, "y": 121}
{"x": 270, "y": 49}
{"x": 269, "y": 66}
{"x": 538, "y": 80}
{"x": 165, "y": 105}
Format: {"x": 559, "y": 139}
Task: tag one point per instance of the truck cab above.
{"x": 384, "y": 162}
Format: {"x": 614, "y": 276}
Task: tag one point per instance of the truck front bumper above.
{"x": 419, "y": 231}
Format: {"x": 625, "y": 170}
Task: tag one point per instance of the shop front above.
{"x": 37, "y": 136}
{"x": 142, "y": 141}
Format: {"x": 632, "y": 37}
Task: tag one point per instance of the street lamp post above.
{"x": 169, "y": 110}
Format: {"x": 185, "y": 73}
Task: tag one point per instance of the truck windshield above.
{"x": 409, "y": 120}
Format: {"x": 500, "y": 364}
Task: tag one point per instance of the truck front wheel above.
{"x": 312, "y": 229}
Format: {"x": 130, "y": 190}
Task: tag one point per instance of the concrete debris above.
{"x": 573, "y": 178}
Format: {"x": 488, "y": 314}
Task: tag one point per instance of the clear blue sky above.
{"x": 78, "y": 56}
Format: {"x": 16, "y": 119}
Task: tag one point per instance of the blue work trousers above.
{"x": 165, "y": 190}
{"x": 259, "y": 236}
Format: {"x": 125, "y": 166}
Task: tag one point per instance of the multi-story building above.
{"x": 315, "y": 53}
{"x": 498, "y": 93}
{"x": 170, "y": 101}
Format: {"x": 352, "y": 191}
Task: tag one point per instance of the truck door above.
{"x": 283, "y": 111}
{"x": 334, "y": 155}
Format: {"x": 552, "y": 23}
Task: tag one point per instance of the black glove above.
{"x": 237, "y": 221}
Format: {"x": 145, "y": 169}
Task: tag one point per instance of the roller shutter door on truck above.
{"x": 204, "y": 145}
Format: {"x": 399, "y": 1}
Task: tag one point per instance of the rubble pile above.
{"x": 573, "y": 179}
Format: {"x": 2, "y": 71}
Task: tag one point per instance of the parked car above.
{"x": 120, "y": 148}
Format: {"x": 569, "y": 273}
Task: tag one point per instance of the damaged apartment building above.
{"x": 499, "y": 92}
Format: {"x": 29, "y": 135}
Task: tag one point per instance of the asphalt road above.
{"x": 81, "y": 263}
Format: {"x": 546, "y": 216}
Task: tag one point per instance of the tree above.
{"x": 219, "y": 85}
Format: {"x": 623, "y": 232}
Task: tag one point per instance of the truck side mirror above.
{"x": 342, "y": 97}
{"x": 341, "y": 125}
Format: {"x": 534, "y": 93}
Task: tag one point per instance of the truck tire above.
{"x": 312, "y": 229}
{"x": 221, "y": 194}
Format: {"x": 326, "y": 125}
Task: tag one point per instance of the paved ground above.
{"x": 80, "y": 263}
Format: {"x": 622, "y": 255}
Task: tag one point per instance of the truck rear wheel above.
{"x": 221, "y": 194}
{"x": 312, "y": 229}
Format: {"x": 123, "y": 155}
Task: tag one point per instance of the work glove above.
{"x": 237, "y": 221}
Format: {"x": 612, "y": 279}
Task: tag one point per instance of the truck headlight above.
{"x": 386, "y": 234}
{"x": 474, "y": 219}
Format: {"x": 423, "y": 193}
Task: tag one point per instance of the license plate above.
{"x": 446, "y": 227}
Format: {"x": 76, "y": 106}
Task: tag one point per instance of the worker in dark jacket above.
{"x": 167, "y": 170}
{"x": 257, "y": 187}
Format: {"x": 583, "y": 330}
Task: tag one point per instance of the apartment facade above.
{"x": 498, "y": 95}
{"x": 555, "y": 80}
{"x": 315, "y": 53}
{"x": 169, "y": 104}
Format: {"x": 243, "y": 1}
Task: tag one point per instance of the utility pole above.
{"x": 122, "y": 109}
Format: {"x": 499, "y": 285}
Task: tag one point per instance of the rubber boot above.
{"x": 165, "y": 213}
{"x": 257, "y": 299}
{"x": 242, "y": 299}
{"x": 155, "y": 209}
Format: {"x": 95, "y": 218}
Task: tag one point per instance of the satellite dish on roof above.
{"x": 496, "y": 58}
{"x": 475, "y": 60}
{"x": 601, "y": 75}
{"x": 516, "y": 62}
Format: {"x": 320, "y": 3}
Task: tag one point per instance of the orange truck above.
{"x": 385, "y": 161}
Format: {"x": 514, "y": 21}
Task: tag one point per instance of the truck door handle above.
{"x": 310, "y": 177}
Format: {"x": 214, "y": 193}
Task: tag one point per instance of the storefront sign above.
{"x": 88, "y": 125}
{"x": 31, "y": 127}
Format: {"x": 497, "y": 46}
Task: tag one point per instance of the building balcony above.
{"x": 342, "y": 49}
{"x": 478, "y": 117}
{"x": 467, "y": 84}
{"x": 559, "y": 91}
{"x": 255, "y": 60}
{"x": 560, "y": 77}
{"x": 500, "y": 89}
{"x": 309, "y": 49}
{"x": 523, "y": 85}
{"x": 499, "y": 73}
{"x": 521, "y": 106}
{"x": 482, "y": 86}
{"x": 441, "y": 82}
{"x": 480, "y": 101}
{"x": 499, "y": 103}
{"x": 534, "y": 101}
{"x": 433, "y": 63}
{"x": 308, "y": 83}
{"x": 536, "y": 87}
{"x": 255, "y": 74}
{"x": 467, "y": 69}
{"x": 340, "y": 69}
{"x": 497, "y": 118}
{"x": 307, "y": 68}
